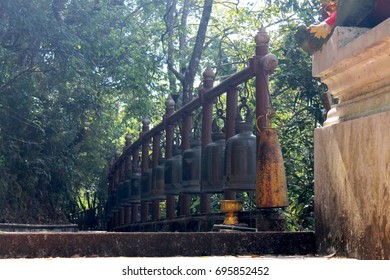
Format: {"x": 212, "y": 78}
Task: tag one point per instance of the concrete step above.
{"x": 154, "y": 244}
{"x": 8, "y": 227}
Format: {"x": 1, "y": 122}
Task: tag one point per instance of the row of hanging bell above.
{"x": 225, "y": 165}
{"x": 232, "y": 166}
{"x": 125, "y": 193}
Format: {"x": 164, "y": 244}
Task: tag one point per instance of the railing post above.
{"x": 156, "y": 156}
{"x": 231, "y": 107}
{"x": 169, "y": 136}
{"x": 109, "y": 211}
{"x": 185, "y": 199}
{"x": 144, "y": 165}
{"x": 271, "y": 185}
{"x": 121, "y": 210}
{"x": 134, "y": 205}
{"x": 127, "y": 218}
{"x": 262, "y": 95}
{"x": 116, "y": 189}
{"x": 207, "y": 119}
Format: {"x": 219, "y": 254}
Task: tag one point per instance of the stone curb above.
{"x": 102, "y": 244}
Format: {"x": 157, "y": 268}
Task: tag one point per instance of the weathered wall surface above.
{"x": 352, "y": 192}
{"x": 352, "y": 150}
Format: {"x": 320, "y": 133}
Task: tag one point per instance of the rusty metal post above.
{"x": 231, "y": 107}
{"x": 207, "y": 119}
{"x": 134, "y": 205}
{"x": 169, "y": 136}
{"x": 144, "y": 166}
{"x": 185, "y": 199}
{"x": 156, "y": 156}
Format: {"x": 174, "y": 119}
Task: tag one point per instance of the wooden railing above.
{"x": 122, "y": 213}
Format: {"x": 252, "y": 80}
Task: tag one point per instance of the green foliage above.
{"x": 296, "y": 99}
{"x": 71, "y": 71}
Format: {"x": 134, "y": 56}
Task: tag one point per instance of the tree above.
{"x": 69, "y": 71}
{"x": 187, "y": 67}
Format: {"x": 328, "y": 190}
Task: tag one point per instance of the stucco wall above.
{"x": 352, "y": 188}
{"x": 352, "y": 150}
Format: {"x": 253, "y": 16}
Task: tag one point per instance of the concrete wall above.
{"x": 352, "y": 150}
{"x": 352, "y": 188}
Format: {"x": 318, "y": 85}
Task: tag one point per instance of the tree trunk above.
{"x": 170, "y": 22}
{"x": 189, "y": 77}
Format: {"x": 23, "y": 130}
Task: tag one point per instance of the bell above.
{"x": 213, "y": 163}
{"x": 124, "y": 192}
{"x": 135, "y": 184}
{"x": 115, "y": 198}
{"x": 146, "y": 185}
{"x": 157, "y": 191}
{"x": 191, "y": 169}
{"x": 172, "y": 175}
{"x": 240, "y": 154}
{"x": 109, "y": 211}
{"x": 271, "y": 186}
{"x": 121, "y": 191}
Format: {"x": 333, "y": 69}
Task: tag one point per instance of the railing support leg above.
{"x": 134, "y": 213}
{"x": 185, "y": 199}
{"x": 169, "y": 136}
{"x": 231, "y": 107}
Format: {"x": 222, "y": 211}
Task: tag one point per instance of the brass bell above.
{"x": 109, "y": 211}
{"x": 271, "y": 186}
{"x": 191, "y": 160}
{"x": 213, "y": 163}
{"x": 125, "y": 193}
{"x": 115, "y": 199}
{"x": 135, "y": 184}
{"x": 173, "y": 174}
{"x": 157, "y": 191}
{"x": 240, "y": 154}
{"x": 146, "y": 185}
